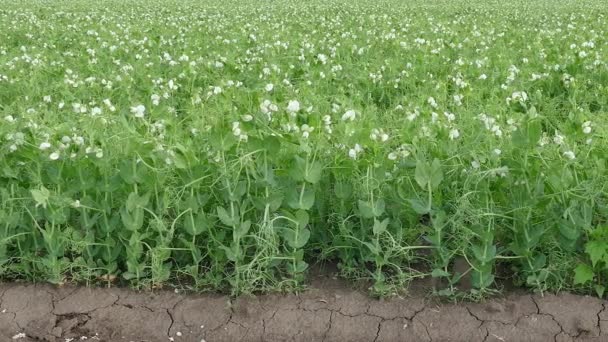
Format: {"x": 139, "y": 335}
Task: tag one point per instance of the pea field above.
{"x": 233, "y": 145}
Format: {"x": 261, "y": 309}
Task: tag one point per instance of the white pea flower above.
{"x": 247, "y": 117}
{"x": 293, "y": 106}
{"x": 54, "y": 156}
{"x": 269, "y": 87}
{"x": 587, "y": 127}
{"x": 44, "y": 146}
{"x": 569, "y": 154}
{"x": 155, "y": 99}
{"x": 349, "y": 115}
{"x": 78, "y": 140}
{"x": 138, "y": 111}
{"x": 354, "y": 152}
{"x": 454, "y": 134}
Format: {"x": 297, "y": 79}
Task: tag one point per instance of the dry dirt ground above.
{"x": 326, "y": 312}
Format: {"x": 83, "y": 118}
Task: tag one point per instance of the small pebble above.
{"x": 179, "y": 334}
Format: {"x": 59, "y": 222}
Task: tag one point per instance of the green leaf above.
{"x": 436, "y": 174}
{"x": 568, "y": 230}
{"x": 232, "y": 254}
{"x": 241, "y": 230}
{"x": 297, "y": 171}
{"x": 41, "y": 196}
{"x": 439, "y": 273}
{"x": 419, "y": 207}
{"x": 179, "y": 161}
{"x": 275, "y": 200}
{"x": 238, "y": 192}
{"x": 222, "y": 142}
{"x": 302, "y": 217}
{"x": 366, "y": 209}
{"x": 539, "y": 262}
{"x": 196, "y": 224}
{"x": 343, "y": 190}
{"x": 379, "y": 207}
{"x": 224, "y": 216}
{"x": 301, "y": 266}
{"x": 484, "y": 254}
{"x": 596, "y": 251}
{"x": 380, "y": 226}
{"x": 308, "y": 200}
{"x": 135, "y": 201}
{"x": 422, "y": 174}
{"x": 373, "y": 249}
{"x": 534, "y": 132}
{"x": 133, "y": 220}
{"x": 296, "y": 239}
{"x": 297, "y": 200}
{"x": 599, "y": 290}
{"x": 528, "y": 135}
{"x": 313, "y": 173}
{"x": 583, "y": 274}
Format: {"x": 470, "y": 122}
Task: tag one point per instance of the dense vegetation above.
{"x": 229, "y": 145}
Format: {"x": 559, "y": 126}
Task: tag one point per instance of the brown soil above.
{"x": 328, "y": 311}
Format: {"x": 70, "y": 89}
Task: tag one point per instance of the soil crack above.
{"x": 172, "y": 322}
{"x": 331, "y": 317}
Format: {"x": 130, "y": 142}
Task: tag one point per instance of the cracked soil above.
{"x": 321, "y": 313}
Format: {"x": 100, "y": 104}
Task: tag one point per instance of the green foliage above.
{"x": 229, "y": 145}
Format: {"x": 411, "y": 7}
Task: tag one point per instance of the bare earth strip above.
{"x": 46, "y": 313}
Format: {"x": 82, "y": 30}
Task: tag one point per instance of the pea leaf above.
{"x": 418, "y": 206}
{"x": 196, "y": 224}
{"x": 599, "y": 289}
{"x": 596, "y": 251}
{"x": 379, "y": 207}
{"x": 343, "y": 190}
{"x": 422, "y": 173}
{"x": 297, "y": 200}
{"x": 296, "y": 238}
{"x": 41, "y": 196}
{"x": 436, "y": 174}
{"x": 439, "y": 273}
{"x": 313, "y": 173}
{"x": 583, "y": 274}
{"x": 366, "y": 210}
{"x": 380, "y": 226}
{"x": 224, "y": 216}
{"x": 241, "y": 230}
{"x": 302, "y": 217}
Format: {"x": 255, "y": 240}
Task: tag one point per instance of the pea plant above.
{"x": 233, "y": 146}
